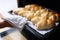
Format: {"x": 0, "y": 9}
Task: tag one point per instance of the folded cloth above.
{"x": 14, "y": 20}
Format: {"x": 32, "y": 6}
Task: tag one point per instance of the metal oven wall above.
{"x": 52, "y": 4}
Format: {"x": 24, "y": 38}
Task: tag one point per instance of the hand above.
{"x": 3, "y": 23}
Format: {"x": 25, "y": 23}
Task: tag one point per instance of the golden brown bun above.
{"x": 33, "y": 7}
{"x": 45, "y": 24}
{"x": 42, "y": 10}
{"x": 29, "y": 15}
{"x": 44, "y": 15}
{"x": 37, "y": 13}
{"x": 36, "y": 19}
{"x": 50, "y": 23}
{"x": 17, "y": 10}
{"x": 22, "y": 12}
{"x": 53, "y": 16}
{"x": 42, "y": 24}
{"x": 57, "y": 17}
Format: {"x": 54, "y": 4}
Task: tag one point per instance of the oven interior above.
{"x": 50, "y": 4}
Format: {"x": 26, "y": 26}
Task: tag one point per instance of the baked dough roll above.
{"x": 17, "y": 10}
{"x": 37, "y": 13}
{"x": 45, "y": 24}
{"x": 41, "y": 25}
{"x": 33, "y": 7}
{"x": 50, "y": 23}
{"x": 54, "y": 16}
{"x": 29, "y": 15}
{"x": 36, "y": 19}
{"x": 44, "y": 15}
{"x": 57, "y": 17}
{"x": 28, "y": 7}
{"x": 43, "y": 10}
{"x": 51, "y": 13}
{"x": 22, "y": 12}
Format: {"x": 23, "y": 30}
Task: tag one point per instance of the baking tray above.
{"x": 32, "y": 34}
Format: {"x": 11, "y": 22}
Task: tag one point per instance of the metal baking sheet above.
{"x": 29, "y": 30}
{"x": 43, "y": 32}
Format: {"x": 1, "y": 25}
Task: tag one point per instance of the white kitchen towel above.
{"x": 14, "y": 20}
